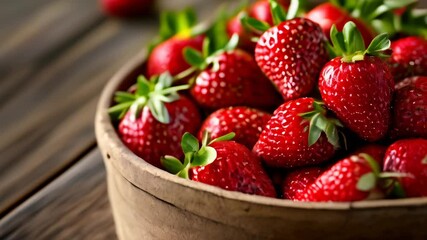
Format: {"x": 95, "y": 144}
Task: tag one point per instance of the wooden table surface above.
{"x": 55, "y": 58}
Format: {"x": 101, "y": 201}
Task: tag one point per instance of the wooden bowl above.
{"x": 149, "y": 203}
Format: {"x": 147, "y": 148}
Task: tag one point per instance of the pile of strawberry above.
{"x": 279, "y": 101}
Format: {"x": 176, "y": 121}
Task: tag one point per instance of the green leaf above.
{"x": 225, "y": 137}
{"x": 158, "y": 110}
{"x": 143, "y": 86}
{"x": 189, "y": 143}
{"x": 193, "y": 57}
{"x": 314, "y": 132}
{"x": 118, "y": 112}
{"x": 186, "y": 166}
{"x": 205, "y": 138}
{"x": 279, "y": 15}
{"x": 372, "y": 163}
{"x": 332, "y": 134}
{"x": 394, "y": 4}
{"x": 206, "y": 47}
{"x": 232, "y": 44}
{"x": 367, "y": 182}
{"x": 353, "y": 38}
{"x": 255, "y": 24}
{"x": 171, "y": 164}
{"x": 216, "y": 34}
{"x": 164, "y": 81}
{"x": 205, "y": 156}
{"x": 338, "y": 43}
{"x": 378, "y": 44}
{"x": 167, "y": 29}
{"x": 308, "y": 115}
{"x": 185, "y": 20}
{"x": 424, "y": 161}
{"x": 121, "y": 97}
{"x": 295, "y": 7}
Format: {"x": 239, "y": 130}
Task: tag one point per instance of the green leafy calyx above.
{"x": 369, "y": 180}
{"x": 177, "y": 23}
{"x": 388, "y": 181}
{"x": 201, "y": 60}
{"x": 195, "y": 155}
{"x": 349, "y": 43}
{"x": 278, "y": 13}
{"x": 320, "y": 123}
{"x": 153, "y": 94}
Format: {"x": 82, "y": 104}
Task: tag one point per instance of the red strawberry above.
{"x": 234, "y": 26}
{"x": 259, "y": 10}
{"x": 176, "y": 33}
{"x": 230, "y": 77}
{"x": 246, "y": 123}
{"x": 152, "y": 122}
{"x": 351, "y": 179}
{"x": 356, "y": 87}
{"x": 225, "y": 164}
{"x": 126, "y": 8}
{"x": 376, "y": 151}
{"x": 410, "y": 108}
{"x": 409, "y": 156}
{"x": 168, "y": 56}
{"x": 291, "y": 55}
{"x": 328, "y": 14}
{"x": 293, "y": 136}
{"x": 409, "y": 57}
{"x": 297, "y": 181}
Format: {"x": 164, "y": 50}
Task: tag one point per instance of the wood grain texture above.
{"x": 49, "y": 123}
{"x": 32, "y": 39}
{"x": 74, "y": 206}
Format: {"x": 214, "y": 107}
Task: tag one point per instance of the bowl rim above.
{"x": 105, "y": 129}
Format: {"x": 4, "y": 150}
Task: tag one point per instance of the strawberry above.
{"x": 297, "y": 181}
{"x": 153, "y": 119}
{"x": 409, "y": 57}
{"x": 126, "y": 8}
{"x": 230, "y": 77}
{"x": 222, "y": 163}
{"x": 259, "y": 10}
{"x": 168, "y": 55}
{"x": 176, "y": 33}
{"x": 246, "y": 123}
{"x": 409, "y": 156}
{"x": 410, "y": 108}
{"x": 328, "y": 14}
{"x": 353, "y": 178}
{"x": 298, "y": 134}
{"x": 291, "y": 55}
{"x": 376, "y": 151}
{"x": 234, "y": 26}
{"x": 358, "y": 88}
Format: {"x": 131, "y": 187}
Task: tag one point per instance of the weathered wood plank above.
{"x": 74, "y": 206}
{"x": 37, "y": 34}
{"x": 47, "y": 125}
